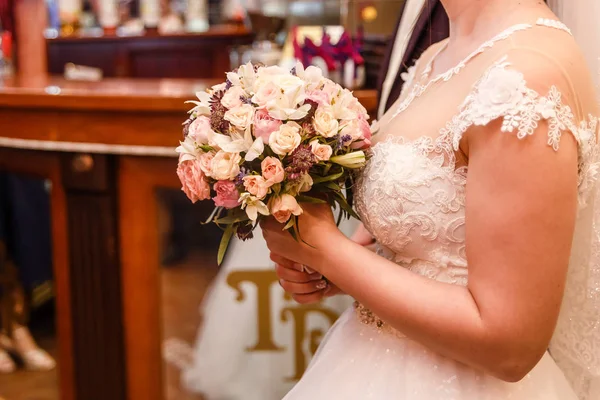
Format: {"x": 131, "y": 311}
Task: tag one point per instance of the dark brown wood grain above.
{"x": 204, "y": 55}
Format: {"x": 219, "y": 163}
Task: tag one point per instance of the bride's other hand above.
{"x": 304, "y": 285}
{"x": 319, "y": 235}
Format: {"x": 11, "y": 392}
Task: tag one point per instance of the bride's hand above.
{"x": 318, "y": 236}
{"x": 305, "y": 285}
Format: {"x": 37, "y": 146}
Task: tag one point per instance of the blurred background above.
{"x": 109, "y": 287}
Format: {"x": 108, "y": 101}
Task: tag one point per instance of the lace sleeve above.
{"x": 503, "y": 93}
{"x": 521, "y": 101}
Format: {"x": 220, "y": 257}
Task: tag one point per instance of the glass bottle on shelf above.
{"x": 150, "y": 13}
{"x": 69, "y": 12}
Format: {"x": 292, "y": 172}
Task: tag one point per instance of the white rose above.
{"x": 289, "y": 83}
{"x": 233, "y": 97}
{"x": 241, "y": 117}
{"x": 500, "y": 93}
{"x": 265, "y": 93}
{"x": 266, "y": 74}
{"x": 322, "y": 152}
{"x": 286, "y": 139}
{"x": 325, "y": 122}
{"x": 225, "y": 166}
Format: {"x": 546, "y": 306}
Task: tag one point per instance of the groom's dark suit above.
{"x": 431, "y": 27}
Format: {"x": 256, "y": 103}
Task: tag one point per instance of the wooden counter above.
{"x": 106, "y": 147}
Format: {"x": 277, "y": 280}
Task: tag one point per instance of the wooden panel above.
{"x": 138, "y": 180}
{"x": 172, "y": 56}
{"x": 102, "y": 55}
{"x": 46, "y": 165}
{"x": 95, "y": 277}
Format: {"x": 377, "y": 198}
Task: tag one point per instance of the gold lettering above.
{"x": 263, "y": 280}
{"x": 299, "y": 316}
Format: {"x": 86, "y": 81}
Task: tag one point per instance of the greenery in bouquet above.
{"x": 266, "y": 141}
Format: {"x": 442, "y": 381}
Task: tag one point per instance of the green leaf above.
{"x": 225, "y": 243}
{"x": 206, "y": 148}
{"x": 290, "y": 224}
{"x": 232, "y": 218}
{"x": 309, "y": 199}
{"x": 345, "y": 206}
{"x": 213, "y": 214}
{"x": 328, "y": 178}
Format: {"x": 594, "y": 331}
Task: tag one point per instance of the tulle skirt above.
{"x": 356, "y": 361}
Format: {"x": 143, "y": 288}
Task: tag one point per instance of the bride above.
{"x": 478, "y": 192}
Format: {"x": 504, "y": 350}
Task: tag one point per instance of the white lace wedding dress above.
{"x": 411, "y": 197}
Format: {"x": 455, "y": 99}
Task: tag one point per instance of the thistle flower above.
{"x": 311, "y": 112}
{"x": 186, "y": 127}
{"x": 301, "y": 160}
{"x": 217, "y": 113}
{"x": 244, "y": 232}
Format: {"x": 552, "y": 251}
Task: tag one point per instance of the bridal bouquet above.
{"x": 266, "y": 141}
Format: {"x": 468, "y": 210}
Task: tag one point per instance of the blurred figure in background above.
{"x": 25, "y": 262}
{"x": 421, "y": 23}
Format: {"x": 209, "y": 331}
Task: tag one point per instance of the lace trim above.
{"x": 553, "y": 23}
{"x": 419, "y": 89}
{"x": 521, "y": 109}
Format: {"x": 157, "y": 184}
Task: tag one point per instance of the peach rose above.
{"x": 225, "y": 166}
{"x": 286, "y": 139}
{"x": 193, "y": 181}
{"x": 322, "y": 152}
{"x": 265, "y": 93}
{"x": 240, "y": 116}
{"x": 264, "y": 125}
{"x": 233, "y": 97}
{"x": 206, "y": 162}
{"x": 227, "y": 194}
{"x": 283, "y": 207}
{"x": 272, "y": 170}
{"x": 256, "y": 186}
{"x": 325, "y": 122}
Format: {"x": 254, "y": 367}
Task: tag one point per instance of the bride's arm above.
{"x": 520, "y": 212}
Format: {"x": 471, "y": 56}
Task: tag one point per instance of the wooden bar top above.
{"x": 110, "y": 94}
{"x": 114, "y": 94}
{"x": 113, "y": 116}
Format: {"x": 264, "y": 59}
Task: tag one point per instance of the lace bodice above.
{"x": 411, "y": 195}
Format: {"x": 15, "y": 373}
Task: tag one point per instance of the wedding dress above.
{"x": 225, "y": 362}
{"x": 411, "y": 197}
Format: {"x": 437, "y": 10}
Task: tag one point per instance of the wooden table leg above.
{"x": 139, "y": 177}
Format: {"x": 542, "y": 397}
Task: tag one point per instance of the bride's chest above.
{"x": 412, "y": 201}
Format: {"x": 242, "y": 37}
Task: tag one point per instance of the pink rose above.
{"x": 266, "y": 92}
{"x": 206, "y": 162}
{"x": 193, "y": 181}
{"x": 264, "y": 125}
{"x": 319, "y": 96}
{"x": 227, "y": 194}
{"x": 283, "y": 207}
{"x": 272, "y": 170}
{"x": 199, "y": 130}
{"x": 256, "y": 186}
{"x": 365, "y": 135}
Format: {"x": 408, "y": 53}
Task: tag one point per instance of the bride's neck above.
{"x": 476, "y": 17}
